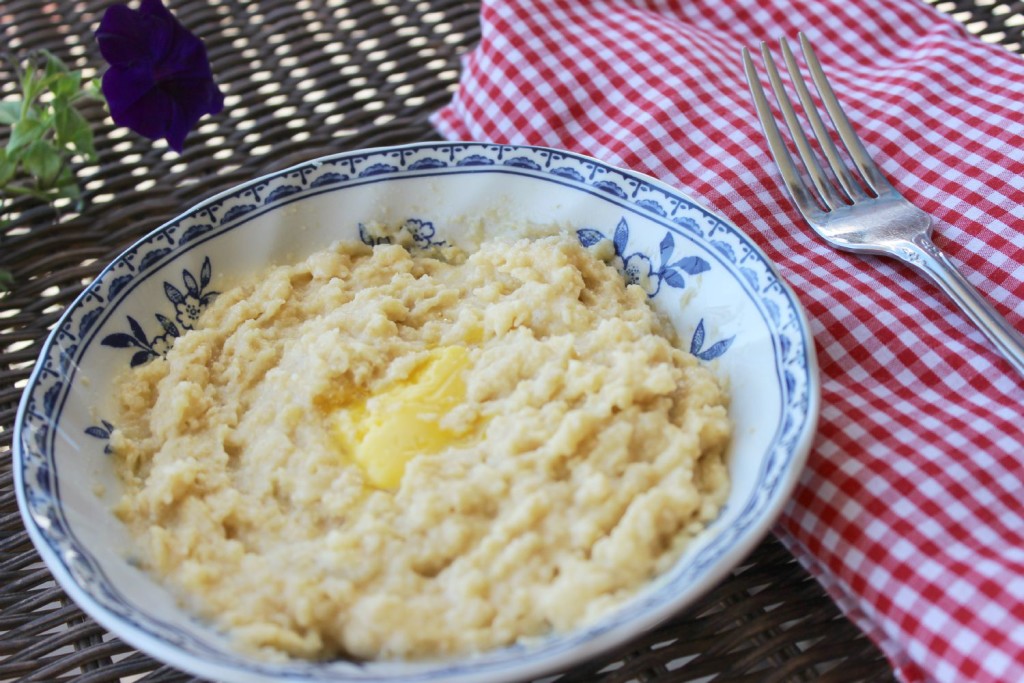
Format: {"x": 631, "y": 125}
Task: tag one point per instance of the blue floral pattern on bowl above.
{"x": 638, "y": 268}
{"x": 188, "y": 306}
{"x": 423, "y": 233}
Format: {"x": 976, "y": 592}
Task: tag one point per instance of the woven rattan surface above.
{"x": 306, "y": 78}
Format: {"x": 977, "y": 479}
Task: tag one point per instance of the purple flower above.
{"x": 159, "y": 83}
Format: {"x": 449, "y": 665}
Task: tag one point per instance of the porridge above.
{"x": 495, "y": 445}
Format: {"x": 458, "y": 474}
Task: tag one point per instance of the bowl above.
{"x": 725, "y": 299}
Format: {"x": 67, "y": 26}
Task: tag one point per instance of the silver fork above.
{"x": 865, "y": 216}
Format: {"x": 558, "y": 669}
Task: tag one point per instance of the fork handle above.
{"x": 933, "y": 263}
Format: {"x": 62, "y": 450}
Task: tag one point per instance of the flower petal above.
{"x": 130, "y": 37}
{"x": 198, "y": 95}
{"x": 123, "y": 86}
{"x": 185, "y": 55}
{"x": 122, "y": 37}
{"x": 179, "y": 122}
{"x": 149, "y": 116}
{"x": 163, "y": 24}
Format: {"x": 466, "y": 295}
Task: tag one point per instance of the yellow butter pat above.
{"x": 405, "y": 418}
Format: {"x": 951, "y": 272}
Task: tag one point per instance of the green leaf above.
{"x": 24, "y": 133}
{"x": 7, "y": 167}
{"x": 34, "y": 82}
{"x": 67, "y": 85}
{"x": 6, "y": 280}
{"x": 73, "y": 129}
{"x": 94, "y": 89}
{"x": 10, "y": 111}
{"x": 32, "y": 91}
{"x": 70, "y": 191}
{"x": 63, "y": 123}
{"x": 44, "y": 161}
{"x": 19, "y": 191}
{"x": 54, "y": 65}
{"x": 29, "y": 84}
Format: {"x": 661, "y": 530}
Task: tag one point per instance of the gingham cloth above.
{"x": 910, "y": 509}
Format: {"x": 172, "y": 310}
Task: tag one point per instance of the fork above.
{"x": 865, "y": 214}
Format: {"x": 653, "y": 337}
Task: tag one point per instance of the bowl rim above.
{"x": 187, "y": 660}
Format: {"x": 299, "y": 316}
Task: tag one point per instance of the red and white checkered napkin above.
{"x": 911, "y": 511}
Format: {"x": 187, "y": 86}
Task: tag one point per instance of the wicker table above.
{"x": 305, "y": 78}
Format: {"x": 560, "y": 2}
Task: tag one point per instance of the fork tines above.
{"x": 828, "y": 194}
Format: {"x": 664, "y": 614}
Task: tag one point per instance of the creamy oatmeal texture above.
{"x": 384, "y": 454}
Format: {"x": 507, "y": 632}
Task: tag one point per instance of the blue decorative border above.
{"x": 49, "y": 387}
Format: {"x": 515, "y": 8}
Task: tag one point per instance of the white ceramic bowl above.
{"x": 725, "y": 298}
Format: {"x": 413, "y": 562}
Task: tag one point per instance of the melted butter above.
{"x": 405, "y": 420}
